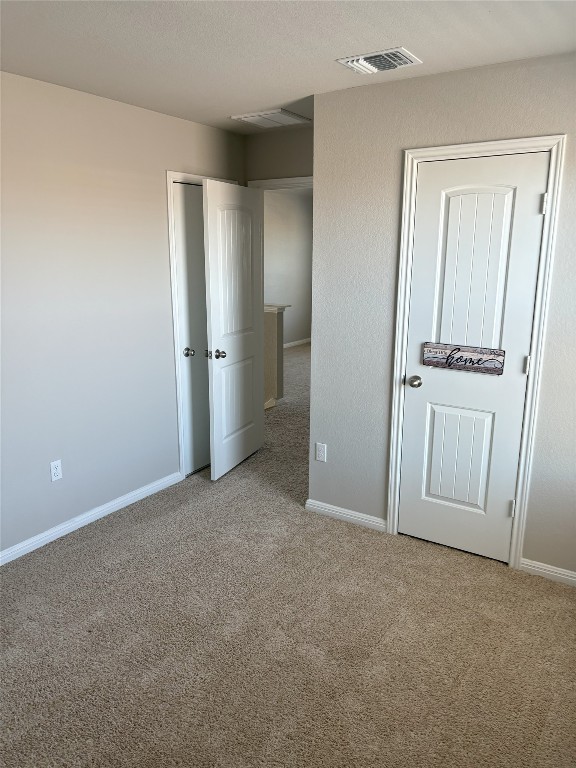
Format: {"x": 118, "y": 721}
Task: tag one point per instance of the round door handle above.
{"x": 187, "y": 352}
{"x": 218, "y": 354}
{"x": 414, "y": 381}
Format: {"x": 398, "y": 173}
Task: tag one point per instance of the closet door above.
{"x": 233, "y": 218}
{"x": 191, "y": 308}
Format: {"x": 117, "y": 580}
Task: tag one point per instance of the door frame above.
{"x": 412, "y": 159}
{"x": 175, "y": 286}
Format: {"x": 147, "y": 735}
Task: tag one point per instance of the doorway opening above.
{"x": 288, "y": 208}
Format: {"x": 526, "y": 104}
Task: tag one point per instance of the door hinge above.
{"x": 527, "y": 364}
{"x": 544, "y": 204}
{"x": 513, "y": 508}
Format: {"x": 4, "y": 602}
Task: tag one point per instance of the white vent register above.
{"x": 273, "y": 118}
{"x": 381, "y": 61}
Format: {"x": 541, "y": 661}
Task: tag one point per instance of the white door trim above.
{"x": 187, "y": 178}
{"x": 413, "y": 157}
{"x": 296, "y": 182}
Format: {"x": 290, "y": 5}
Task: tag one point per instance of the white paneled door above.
{"x": 234, "y": 292}
{"x": 477, "y": 238}
{"x": 191, "y": 307}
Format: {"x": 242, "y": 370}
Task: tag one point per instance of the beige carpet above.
{"x": 225, "y": 627}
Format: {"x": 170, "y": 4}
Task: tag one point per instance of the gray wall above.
{"x": 288, "y": 258}
{"x": 279, "y": 154}
{"x": 358, "y": 141}
{"x": 88, "y": 360}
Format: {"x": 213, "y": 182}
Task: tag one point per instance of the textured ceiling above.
{"x": 205, "y": 61}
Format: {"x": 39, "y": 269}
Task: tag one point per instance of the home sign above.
{"x": 460, "y": 358}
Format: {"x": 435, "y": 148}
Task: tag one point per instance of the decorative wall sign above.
{"x": 459, "y": 358}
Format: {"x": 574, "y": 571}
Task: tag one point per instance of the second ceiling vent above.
{"x": 272, "y": 118}
{"x": 381, "y": 61}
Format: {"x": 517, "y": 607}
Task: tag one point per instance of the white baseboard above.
{"x": 296, "y": 343}
{"x": 549, "y": 571}
{"x": 11, "y": 553}
{"x": 346, "y": 514}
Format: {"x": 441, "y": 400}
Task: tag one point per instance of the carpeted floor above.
{"x": 225, "y": 627}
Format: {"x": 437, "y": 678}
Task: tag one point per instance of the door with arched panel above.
{"x": 477, "y": 237}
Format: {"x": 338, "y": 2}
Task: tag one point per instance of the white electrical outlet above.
{"x": 320, "y": 451}
{"x": 56, "y": 470}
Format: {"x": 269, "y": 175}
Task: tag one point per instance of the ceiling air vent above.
{"x": 381, "y": 61}
{"x": 272, "y": 118}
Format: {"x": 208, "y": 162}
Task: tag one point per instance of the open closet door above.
{"x": 235, "y": 301}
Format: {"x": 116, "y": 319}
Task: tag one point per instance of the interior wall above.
{"x": 279, "y": 153}
{"x": 288, "y": 258}
{"x": 357, "y": 215}
{"x": 88, "y": 358}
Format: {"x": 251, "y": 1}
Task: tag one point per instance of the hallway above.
{"x": 223, "y": 626}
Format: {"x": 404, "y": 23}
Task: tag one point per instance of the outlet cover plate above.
{"x": 320, "y": 451}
